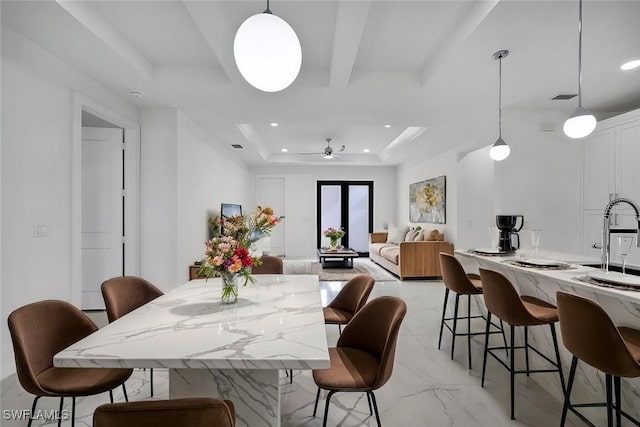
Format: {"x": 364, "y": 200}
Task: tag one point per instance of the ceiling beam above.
{"x": 93, "y": 22}
{"x": 350, "y": 23}
{"x": 457, "y": 32}
{"x": 253, "y": 137}
{"x": 407, "y": 135}
{"x": 213, "y": 23}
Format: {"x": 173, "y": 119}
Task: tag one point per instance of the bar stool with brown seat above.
{"x": 503, "y": 301}
{"x": 189, "y": 412}
{"x": 590, "y": 335}
{"x": 351, "y": 298}
{"x": 456, "y": 280}
{"x": 126, "y": 293}
{"x": 270, "y": 265}
{"x": 362, "y": 361}
{"x": 41, "y": 330}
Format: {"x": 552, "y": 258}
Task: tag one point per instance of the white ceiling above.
{"x": 423, "y": 67}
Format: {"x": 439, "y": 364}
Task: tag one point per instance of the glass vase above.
{"x": 333, "y": 243}
{"x": 229, "y": 293}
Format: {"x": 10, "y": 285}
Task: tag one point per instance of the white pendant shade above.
{"x": 267, "y": 52}
{"x": 580, "y": 124}
{"x": 499, "y": 150}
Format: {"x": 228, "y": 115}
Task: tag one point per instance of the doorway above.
{"x": 346, "y": 204}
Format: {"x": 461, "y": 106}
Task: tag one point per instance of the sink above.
{"x": 629, "y": 270}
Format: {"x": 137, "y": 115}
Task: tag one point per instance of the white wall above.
{"x": 207, "y": 177}
{"x": 301, "y": 199}
{"x": 540, "y": 180}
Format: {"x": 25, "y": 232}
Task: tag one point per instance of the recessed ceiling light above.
{"x": 284, "y": 150}
{"x": 137, "y": 94}
{"x": 366, "y": 150}
{"x": 274, "y": 124}
{"x": 387, "y": 126}
{"x": 630, "y": 65}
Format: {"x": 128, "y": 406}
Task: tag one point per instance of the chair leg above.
{"x": 469, "y": 328}
{"x": 369, "y": 402}
{"x": 326, "y": 408}
{"x": 455, "y": 324}
{"x": 315, "y": 407}
{"x": 375, "y": 408}
{"x": 526, "y": 348}
{"x": 616, "y": 388}
{"x": 150, "y": 380}
{"x": 111, "y": 395}
{"x": 124, "y": 391}
{"x": 60, "y": 411}
{"x": 511, "y": 370}
{"x": 444, "y": 309}
{"x": 504, "y": 339}
{"x": 567, "y": 393}
{"x": 73, "y": 411}
{"x": 486, "y": 346}
{"x": 290, "y": 376}
{"x": 558, "y": 360}
{"x": 33, "y": 410}
{"x": 607, "y": 379}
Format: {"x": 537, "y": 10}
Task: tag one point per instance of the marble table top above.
{"x": 277, "y": 323}
{"x": 561, "y": 276}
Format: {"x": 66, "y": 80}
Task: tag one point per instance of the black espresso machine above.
{"x": 509, "y": 239}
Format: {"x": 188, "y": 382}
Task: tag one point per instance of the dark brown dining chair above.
{"x": 590, "y": 335}
{"x": 188, "y": 412}
{"x": 41, "y": 330}
{"x": 124, "y": 294}
{"x": 459, "y": 282}
{"x": 270, "y": 265}
{"x": 363, "y": 359}
{"x": 502, "y": 300}
{"x": 351, "y": 298}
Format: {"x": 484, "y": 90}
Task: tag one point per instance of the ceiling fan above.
{"x": 328, "y": 151}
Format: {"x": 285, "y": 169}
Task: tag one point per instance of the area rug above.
{"x": 360, "y": 266}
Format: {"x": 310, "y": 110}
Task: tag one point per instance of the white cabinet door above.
{"x": 599, "y": 169}
{"x": 629, "y": 162}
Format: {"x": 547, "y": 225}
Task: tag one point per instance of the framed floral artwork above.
{"x": 427, "y": 201}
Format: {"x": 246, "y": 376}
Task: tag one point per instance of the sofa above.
{"x": 408, "y": 258}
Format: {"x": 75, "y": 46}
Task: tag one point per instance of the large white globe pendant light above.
{"x": 267, "y": 52}
{"x": 500, "y": 150}
{"x": 582, "y": 122}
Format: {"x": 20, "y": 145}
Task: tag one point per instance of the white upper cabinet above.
{"x": 628, "y": 174}
{"x": 599, "y": 169}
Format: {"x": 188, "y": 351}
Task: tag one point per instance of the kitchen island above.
{"x": 623, "y": 306}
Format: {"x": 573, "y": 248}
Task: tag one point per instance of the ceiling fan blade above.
{"x": 339, "y": 150}
{"x": 315, "y": 154}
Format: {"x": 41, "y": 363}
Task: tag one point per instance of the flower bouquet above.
{"x": 334, "y": 234}
{"x": 227, "y": 254}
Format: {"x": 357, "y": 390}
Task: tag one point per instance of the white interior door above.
{"x": 270, "y": 192}
{"x": 102, "y": 211}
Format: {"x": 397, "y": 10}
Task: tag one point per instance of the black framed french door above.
{"x": 347, "y": 204}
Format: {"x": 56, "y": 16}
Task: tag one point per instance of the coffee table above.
{"x": 336, "y": 258}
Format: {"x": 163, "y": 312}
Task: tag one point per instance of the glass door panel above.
{"x": 331, "y": 212}
{"x": 359, "y": 218}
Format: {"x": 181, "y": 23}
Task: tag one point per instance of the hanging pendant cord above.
{"x": 500, "y": 98}
{"x": 580, "y": 54}
{"x": 267, "y": 10}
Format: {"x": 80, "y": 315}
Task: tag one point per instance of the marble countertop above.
{"x": 562, "y": 276}
{"x": 277, "y": 323}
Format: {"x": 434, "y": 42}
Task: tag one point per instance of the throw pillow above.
{"x": 396, "y": 234}
{"x": 411, "y": 235}
{"x": 433, "y": 236}
{"x": 419, "y": 237}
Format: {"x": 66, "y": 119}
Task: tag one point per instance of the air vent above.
{"x": 563, "y": 96}
{"x": 236, "y": 146}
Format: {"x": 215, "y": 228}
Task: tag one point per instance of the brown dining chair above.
{"x": 124, "y": 294}
{"x": 590, "y": 335}
{"x": 502, "y": 300}
{"x": 270, "y": 265}
{"x": 41, "y": 330}
{"x": 362, "y": 361}
{"x": 351, "y": 298}
{"x": 459, "y": 282}
{"x": 188, "y": 412}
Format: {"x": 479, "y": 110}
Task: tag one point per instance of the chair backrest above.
{"x": 189, "y": 412}
{"x": 39, "y": 331}
{"x": 375, "y": 329}
{"x": 502, "y": 299}
{"x": 590, "y": 335}
{"x": 270, "y": 265}
{"x": 354, "y": 294}
{"x": 454, "y": 276}
{"x": 124, "y": 294}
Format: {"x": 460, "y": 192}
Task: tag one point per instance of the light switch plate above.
{"x": 40, "y": 230}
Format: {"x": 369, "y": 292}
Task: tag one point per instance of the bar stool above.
{"x": 456, "y": 280}
{"x": 503, "y": 301}
{"x": 590, "y": 335}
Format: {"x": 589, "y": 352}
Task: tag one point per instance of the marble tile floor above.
{"x": 426, "y": 388}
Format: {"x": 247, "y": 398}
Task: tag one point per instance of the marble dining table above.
{"x": 234, "y": 352}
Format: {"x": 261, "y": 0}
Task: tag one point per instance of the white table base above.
{"x": 255, "y": 393}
